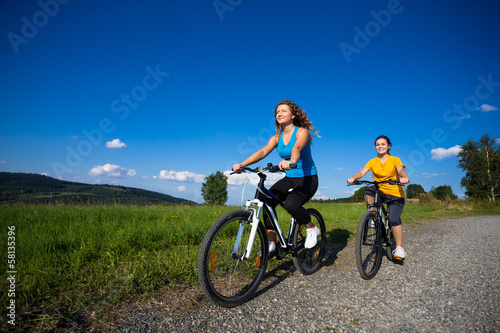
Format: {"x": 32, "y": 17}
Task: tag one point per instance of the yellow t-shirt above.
{"x": 386, "y": 171}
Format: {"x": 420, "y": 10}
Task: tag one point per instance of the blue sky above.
{"x": 159, "y": 94}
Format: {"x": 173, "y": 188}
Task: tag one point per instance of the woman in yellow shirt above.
{"x": 385, "y": 167}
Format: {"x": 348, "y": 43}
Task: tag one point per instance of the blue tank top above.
{"x": 305, "y": 165}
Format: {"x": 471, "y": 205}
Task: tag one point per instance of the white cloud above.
{"x": 487, "y": 108}
{"x": 241, "y": 179}
{"x": 115, "y": 143}
{"x": 429, "y": 175}
{"x": 181, "y": 188}
{"x": 441, "y": 153}
{"x": 182, "y": 176}
{"x": 320, "y": 196}
{"x": 111, "y": 170}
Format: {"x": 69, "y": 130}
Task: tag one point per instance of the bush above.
{"x": 425, "y": 198}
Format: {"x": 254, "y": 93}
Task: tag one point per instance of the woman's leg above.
{"x": 397, "y": 231}
{"x": 395, "y": 207}
{"x": 370, "y": 197}
{"x": 299, "y": 195}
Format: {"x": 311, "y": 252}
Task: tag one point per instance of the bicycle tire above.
{"x": 390, "y": 245}
{"x": 224, "y": 277}
{"x": 308, "y": 261}
{"x": 368, "y": 250}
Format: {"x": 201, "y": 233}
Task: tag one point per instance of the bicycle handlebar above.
{"x": 390, "y": 182}
{"x": 270, "y": 168}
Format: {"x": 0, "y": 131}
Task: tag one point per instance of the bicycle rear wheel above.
{"x": 225, "y": 276}
{"x": 390, "y": 245}
{"x": 308, "y": 261}
{"x": 368, "y": 246}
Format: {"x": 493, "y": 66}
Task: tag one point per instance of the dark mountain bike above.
{"x": 374, "y": 231}
{"x": 233, "y": 256}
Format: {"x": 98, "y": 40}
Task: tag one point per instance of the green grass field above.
{"x": 78, "y": 262}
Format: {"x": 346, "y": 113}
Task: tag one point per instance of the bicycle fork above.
{"x": 253, "y": 231}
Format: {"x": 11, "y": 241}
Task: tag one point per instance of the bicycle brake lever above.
{"x": 273, "y": 168}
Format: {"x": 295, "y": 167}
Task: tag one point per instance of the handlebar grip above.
{"x": 276, "y": 168}
{"x": 240, "y": 170}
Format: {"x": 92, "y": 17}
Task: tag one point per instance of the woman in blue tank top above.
{"x": 293, "y": 140}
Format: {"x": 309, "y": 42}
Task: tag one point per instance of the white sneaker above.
{"x": 399, "y": 253}
{"x": 272, "y": 248}
{"x": 371, "y": 224}
{"x": 312, "y": 237}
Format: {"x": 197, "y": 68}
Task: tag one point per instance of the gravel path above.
{"x": 448, "y": 283}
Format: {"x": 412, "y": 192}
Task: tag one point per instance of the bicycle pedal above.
{"x": 280, "y": 253}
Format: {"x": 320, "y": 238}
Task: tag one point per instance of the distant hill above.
{"x": 38, "y": 189}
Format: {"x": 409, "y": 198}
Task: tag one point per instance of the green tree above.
{"x": 481, "y": 163}
{"x": 413, "y": 190}
{"x": 214, "y": 189}
{"x": 442, "y": 192}
{"x": 359, "y": 195}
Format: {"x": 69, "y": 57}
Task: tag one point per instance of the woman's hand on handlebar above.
{"x": 286, "y": 165}
{"x": 404, "y": 180}
{"x": 351, "y": 180}
{"x": 237, "y": 166}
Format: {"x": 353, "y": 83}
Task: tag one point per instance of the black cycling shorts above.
{"x": 295, "y": 192}
{"x": 395, "y": 205}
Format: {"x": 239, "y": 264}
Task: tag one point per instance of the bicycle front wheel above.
{"x": 368, "y": 246}
{"x": 226, "y": 276}
{"x": 308, "y": 261}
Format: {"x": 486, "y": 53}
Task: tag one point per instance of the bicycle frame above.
{"x": 260, "y": 201}
{"x": 381, "y": 211}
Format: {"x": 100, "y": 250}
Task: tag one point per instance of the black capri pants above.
{"x": 395, "y": 205}
{"x": 294, "y": 192}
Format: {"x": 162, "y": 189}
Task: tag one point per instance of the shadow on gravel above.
{"x": 276, "y": 275}
{"x": 280, "y": 270}
{"x": 336, "y": 242}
